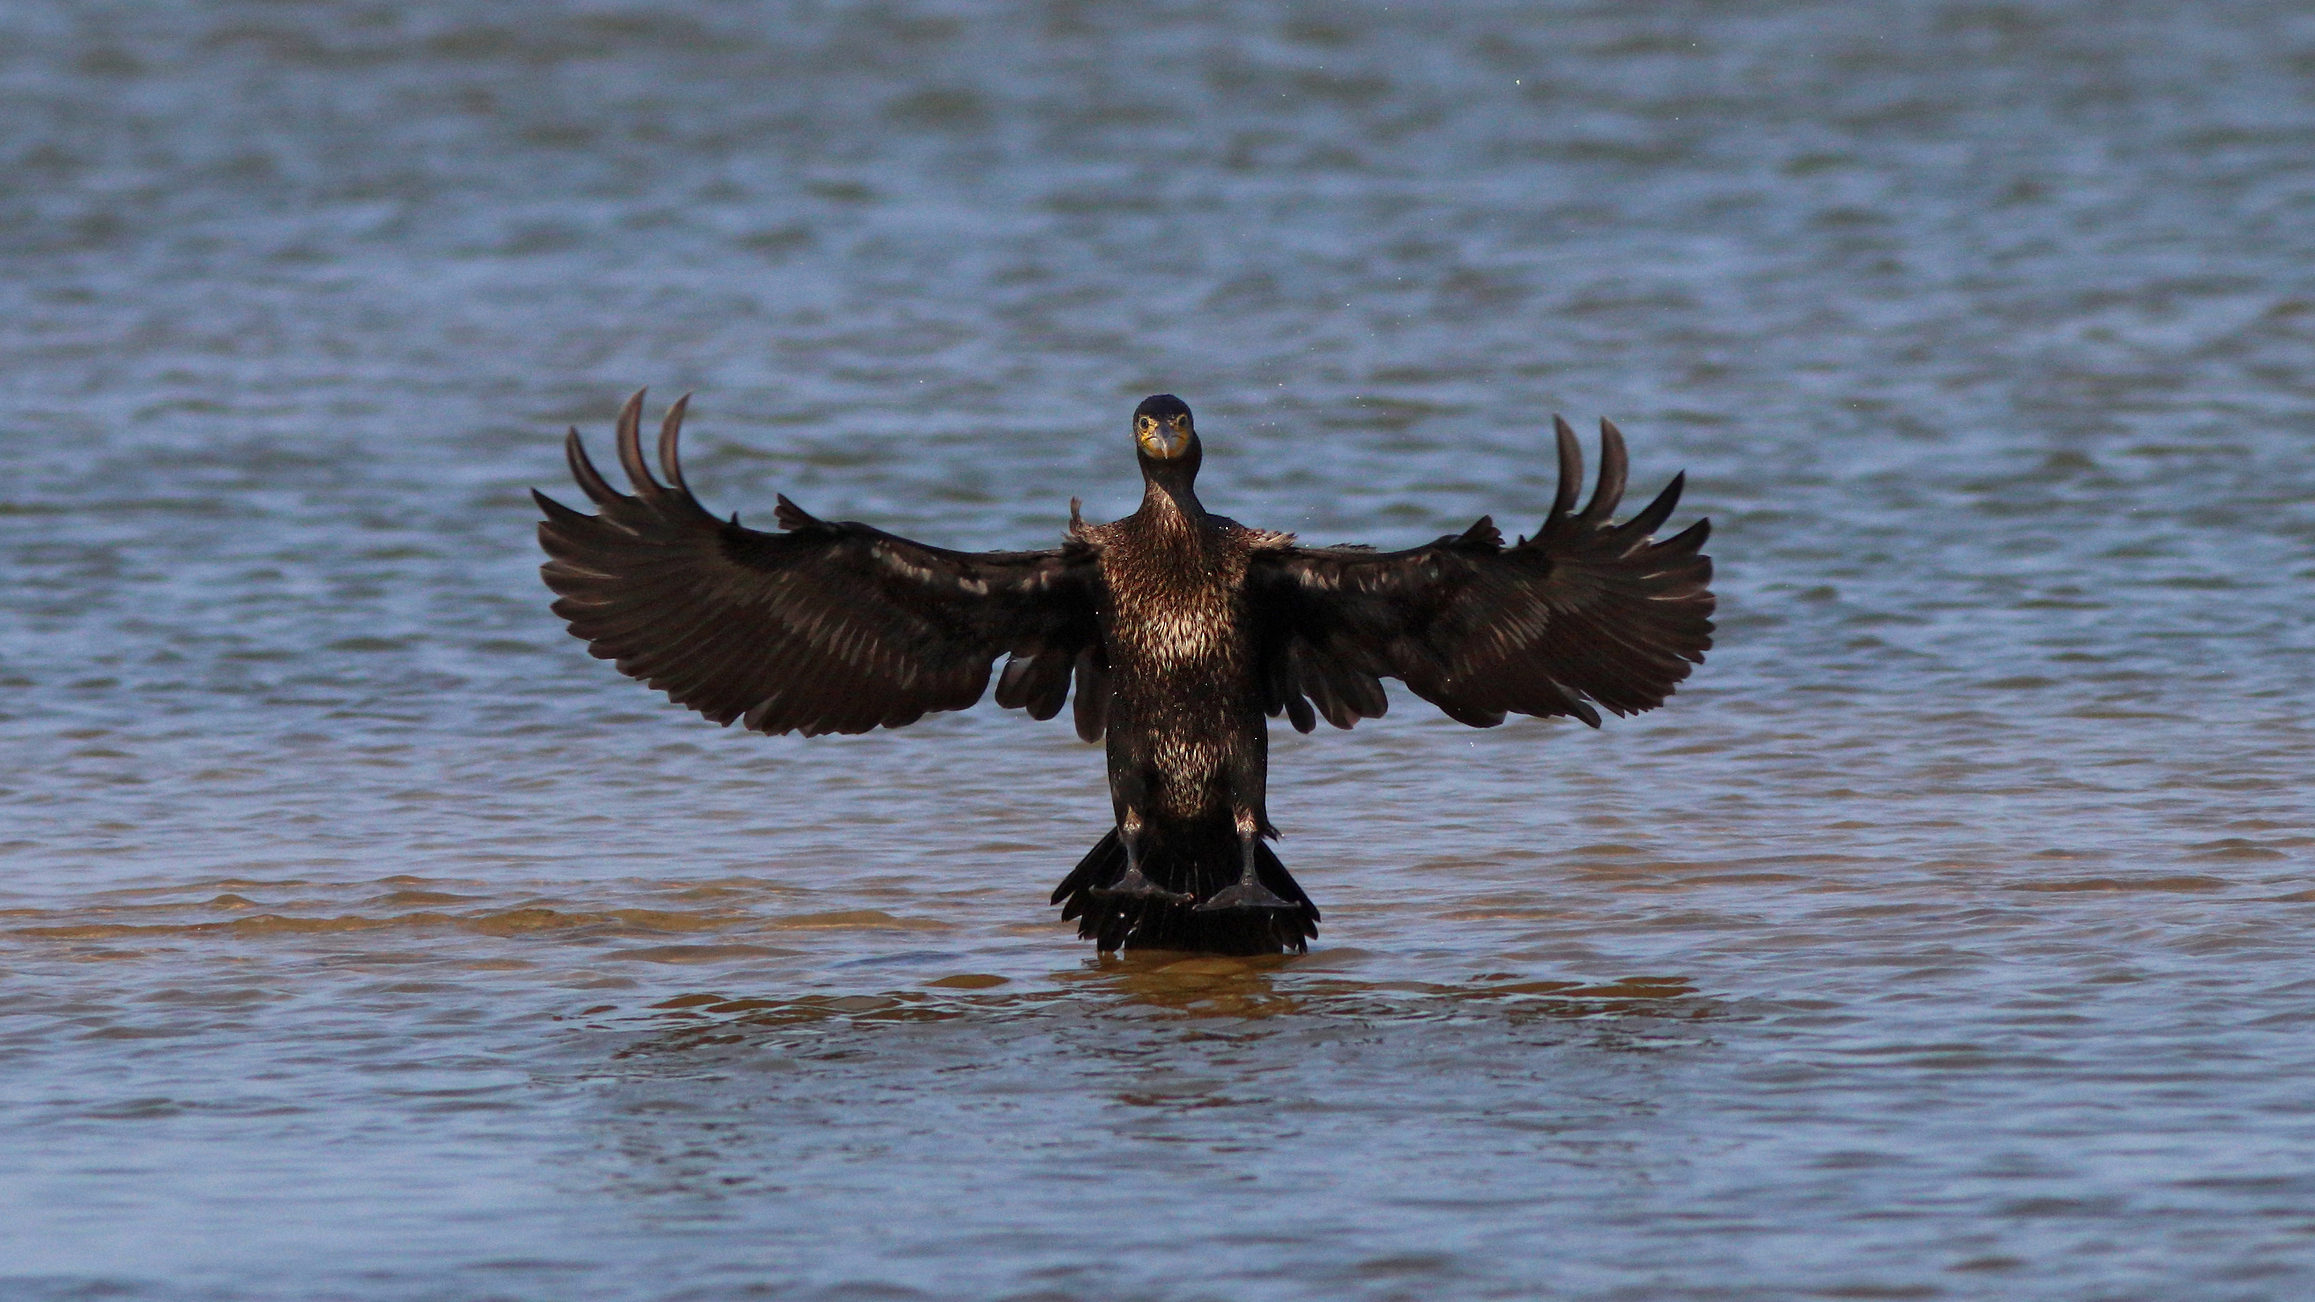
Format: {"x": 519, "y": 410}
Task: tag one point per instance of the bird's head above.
{"x": 1164, "y": 432}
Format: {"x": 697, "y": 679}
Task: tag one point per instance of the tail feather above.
{"x": 1198, "y": 860}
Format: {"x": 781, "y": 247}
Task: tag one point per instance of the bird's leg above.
{"x": 1133, "y": 883}
{"x": 1247, "y": 892}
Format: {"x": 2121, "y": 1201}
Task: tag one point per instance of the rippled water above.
{"x": 1946, "y": 937}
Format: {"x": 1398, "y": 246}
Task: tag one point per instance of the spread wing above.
{"x": 1585, "y": 613}
{"x": 819, "y": 628}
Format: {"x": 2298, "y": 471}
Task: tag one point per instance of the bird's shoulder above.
{"x": 1250, "y": 539}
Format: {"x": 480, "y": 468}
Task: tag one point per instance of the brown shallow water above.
{"x": 1946, "y": 938}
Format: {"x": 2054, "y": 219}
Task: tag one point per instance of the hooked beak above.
{"x": 1164, "y": 439}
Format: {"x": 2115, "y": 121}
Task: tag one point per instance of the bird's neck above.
{"x": 1170, "y": 498}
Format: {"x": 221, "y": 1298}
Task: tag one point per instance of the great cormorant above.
{"x": 1178, "y": 628}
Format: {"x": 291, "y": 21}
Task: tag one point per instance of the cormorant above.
{"x": 1179, "y": 630}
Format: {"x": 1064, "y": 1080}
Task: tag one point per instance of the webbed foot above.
{"x": 1135, "y": 886}
{"x": 1245, "y": 895}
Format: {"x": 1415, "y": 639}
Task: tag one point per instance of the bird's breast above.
{"x": 1173, "y": 635}
{"x": 1169, "y": 614}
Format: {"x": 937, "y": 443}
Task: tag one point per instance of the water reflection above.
{"x": 1160, "y": 987}
{"x": 1332, "y": 1125}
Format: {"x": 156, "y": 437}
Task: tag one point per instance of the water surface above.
{"x": 362, "y": 938}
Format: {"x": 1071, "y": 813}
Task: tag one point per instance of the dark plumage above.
{"x": 1177, "y": 629}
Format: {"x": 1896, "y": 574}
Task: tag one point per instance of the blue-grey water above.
{"x": 1946, "y": 937}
